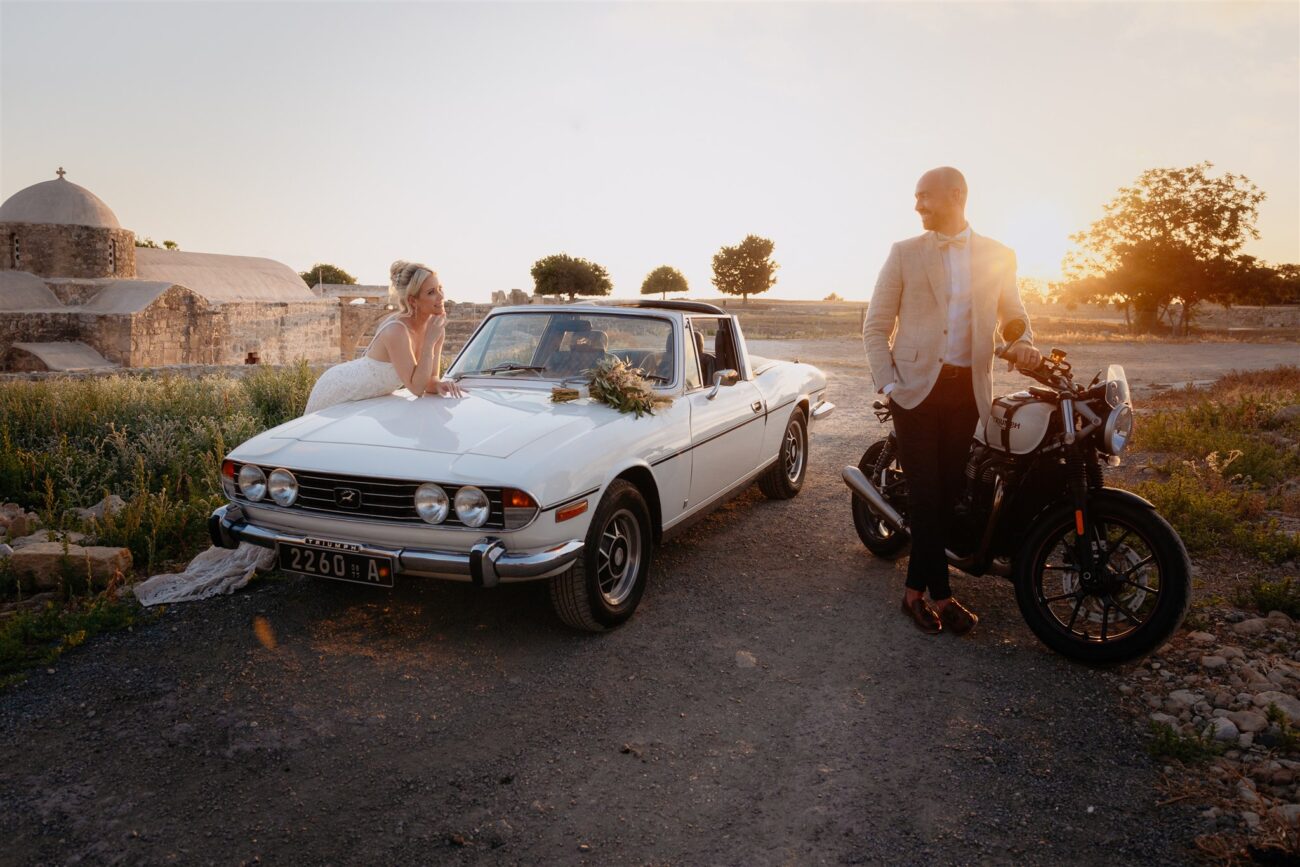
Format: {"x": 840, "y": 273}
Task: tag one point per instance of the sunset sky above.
{"x": 480, "y": 137}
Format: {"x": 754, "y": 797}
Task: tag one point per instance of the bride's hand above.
{"x": 436, "y": 329}
{"x": 447, "y": 388}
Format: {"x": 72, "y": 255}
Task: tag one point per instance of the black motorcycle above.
{"x": 1100, "y": 576}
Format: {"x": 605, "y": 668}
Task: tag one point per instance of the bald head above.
{"x": 941, "y": 200}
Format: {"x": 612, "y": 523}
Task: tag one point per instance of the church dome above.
{"x": 58, "y": 201}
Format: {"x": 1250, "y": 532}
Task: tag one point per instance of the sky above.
{"x": 480, "y": 137}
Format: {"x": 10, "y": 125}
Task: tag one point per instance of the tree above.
{"x": 1175, "y": 236}
{"x": 151, "y": 244}
{"x": 322, "y": 273}
{"x": 562, "y": 274}
{"x": 663, "y": 280}
{"x": 746, "y": 269}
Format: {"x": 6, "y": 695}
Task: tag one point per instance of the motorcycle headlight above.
{"x": 431, "y": 503}
{"x": 283, "y": 487}
{"x": 252, "y": 482}
{"x": 472, "y": 506}
{"x": 1118, "y": 430}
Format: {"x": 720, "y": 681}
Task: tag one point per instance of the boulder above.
{"x": 1254, "y": 626}
{"x": 1203, "y": 638}
{"x": 1213, "y": 662}
{"x": 1248, "y": 720}
{"x": 1289, "y": 814}
{"x": 107, "y": 506}
{"x": 1288, "y": 704}
{"x": 1185, "y": 699}
{"x": 41, "y": 565}
{"x": 1222, "y": 729}
{"x": 24, "y": 523}
{"x": 5, "y": 550}
{"x": 73, "y": 538}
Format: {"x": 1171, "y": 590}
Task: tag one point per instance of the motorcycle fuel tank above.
{"x": 1017, "y": 423}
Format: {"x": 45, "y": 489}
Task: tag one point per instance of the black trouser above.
{"x": 933, "y": 441}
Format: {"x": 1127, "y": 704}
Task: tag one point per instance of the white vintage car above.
{"x": 506, "y": 484}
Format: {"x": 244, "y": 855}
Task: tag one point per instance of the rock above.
{"x": 1212, "y": 813}
{"x": 24, "y": 523}
{"x": 1125, "y": 689}
{"x": 1213, "y": 663}
{"x": 745, "y": 659}
{"x": 10, "y": 510}
{"x": 1251, "y": 818}
{"x": 1185, "y": 698}
{"x": 1202, "y": 638}
{"x": 1246, "y": 741}
{"x": 1288, "y": 814}
{"x": 1235, "y": 615}
{"x": 1254, "y": 626}
{"x": 1288, "y": 704}
{"x": 1246, "y": 792}
{"x": 73, "y": 538}
{"x": 1248, "y": 720}
{"x": 41, "y": 565}
{"x": 1279, "y": 618}
{"x": 1232, "y": 653}
{"x": 107, "y": 506}
{"x": 1287, "y": 414}
{"x": 1222, "y": 729}
{"x": 1164, "y": 719}
{"x": 5, "y": 550}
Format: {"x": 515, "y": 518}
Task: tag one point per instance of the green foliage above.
{"x": 280, "y": 395}
{"x": 614, "y": 383}
{"x": 31, "y": 638}
{"x": 746, "y": 269}
{"x": 663, "y": 280}
{"x": 562, "y": 274}
{"x": 1175, "y": 234}
{"x": 323, "y": 273}
{"x": 1264, "y": 596}
{"x": 1167, "y": 743}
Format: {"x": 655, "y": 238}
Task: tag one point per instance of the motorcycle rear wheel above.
{"x": 1138, "y": 602}
{"x": 880, "y": 539}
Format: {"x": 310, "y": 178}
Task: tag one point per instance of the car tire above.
{"x": 784, "y": 479}
{"x": 604, "y": 585}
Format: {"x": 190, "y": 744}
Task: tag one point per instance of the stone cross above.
{"x": 60, "y": 173}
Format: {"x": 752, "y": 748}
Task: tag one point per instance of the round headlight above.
{"x": 283, "y": 487}
{"x": 431, "y": 503}
{"x": 252, "y": 481}
{"x": 472, "y": 506}
{"x": 1118, "y": 430}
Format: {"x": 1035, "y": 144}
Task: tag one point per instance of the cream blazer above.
{"x": 907, "y": 320}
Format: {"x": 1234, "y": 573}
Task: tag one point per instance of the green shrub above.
{"x": 37, "y": 637}
{"x": 1168, "y": 743}
{"x": 1265, "y": 596}
{"x": 279, "y": 395}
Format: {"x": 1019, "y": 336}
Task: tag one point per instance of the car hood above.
{"x": 492, "y": 422}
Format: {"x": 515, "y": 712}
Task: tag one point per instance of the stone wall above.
{"x": 279, "y": 332}
{"x": 55, "y": 250}
{"x": 357, "y": 327}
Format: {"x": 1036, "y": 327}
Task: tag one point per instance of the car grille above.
{"x": 381, "y": 499}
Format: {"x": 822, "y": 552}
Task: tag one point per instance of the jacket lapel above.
{"x": 935, "y": 271}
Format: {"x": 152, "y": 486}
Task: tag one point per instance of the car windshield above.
{"x": 567, "y": 344}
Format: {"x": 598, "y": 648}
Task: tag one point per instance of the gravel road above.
{"x": 767, "y": 705}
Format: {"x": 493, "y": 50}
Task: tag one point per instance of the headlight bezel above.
{"x": 287, "y": 494}
{"x": 440, "y": 510}
{"x": 251, "y": 481}
{"x": 1118, "y": 430}
{"x": 473, "y": 507}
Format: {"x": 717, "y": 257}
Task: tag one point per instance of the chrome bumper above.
{"x": 487, "y": 563}
{"x": 822, "y": 410}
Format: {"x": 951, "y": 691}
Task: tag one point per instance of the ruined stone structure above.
{"x": 76, "y": 293}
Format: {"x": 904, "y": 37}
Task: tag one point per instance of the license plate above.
{"x": 336, "y": 564}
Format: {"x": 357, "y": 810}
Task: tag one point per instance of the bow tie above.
{"x": 957, "y": 241}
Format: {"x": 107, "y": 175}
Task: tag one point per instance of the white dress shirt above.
{"x": 957, "y": 261}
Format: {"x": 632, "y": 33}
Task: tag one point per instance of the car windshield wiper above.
{"x": 653, "y": 377}
{"x": 508, "y": 367}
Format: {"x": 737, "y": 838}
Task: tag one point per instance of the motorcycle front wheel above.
{"x": 1129, "y": 605}
{"x": 883, "y": 471}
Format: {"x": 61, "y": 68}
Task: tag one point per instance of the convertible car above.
{"x": 507, "y": 484}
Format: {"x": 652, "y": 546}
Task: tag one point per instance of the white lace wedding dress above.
{"x": 356, "y": 380}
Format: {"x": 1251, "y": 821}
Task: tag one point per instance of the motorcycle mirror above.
{"x": 1013, "y": 330}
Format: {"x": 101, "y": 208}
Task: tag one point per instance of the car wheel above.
{"x": 784, "y": 479}
{"x": 604, "y": 586}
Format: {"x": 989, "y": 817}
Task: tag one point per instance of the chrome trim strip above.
{"x": 568, "y": 500}
{"x": 487, "y": 563}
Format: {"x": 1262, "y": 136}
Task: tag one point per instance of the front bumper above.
{"x": 486, "y": 564}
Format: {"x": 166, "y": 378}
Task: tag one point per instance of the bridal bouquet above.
{"x": 614, "y": 383}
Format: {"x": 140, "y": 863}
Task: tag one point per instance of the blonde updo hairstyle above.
{"x": 405, "y": 280}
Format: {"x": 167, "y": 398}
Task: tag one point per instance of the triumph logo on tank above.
{"x": 1005, "y": 423}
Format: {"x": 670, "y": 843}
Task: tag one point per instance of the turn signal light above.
{"x": 572, "y": 510}
{"x": 228, "y": 484}
{"x": 228, "y": 469}
{"x": 514, "y": 499}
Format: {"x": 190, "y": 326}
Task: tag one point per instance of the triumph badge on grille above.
{"x": 347, "y": 498}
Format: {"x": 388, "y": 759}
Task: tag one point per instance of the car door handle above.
{"x": 756, "y": 406}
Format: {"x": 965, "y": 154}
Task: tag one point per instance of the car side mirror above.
{"x": 727, "y": 376}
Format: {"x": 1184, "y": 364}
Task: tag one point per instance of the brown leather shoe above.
{"x": 920, "y": 613}
{"x": 957, "y": 618}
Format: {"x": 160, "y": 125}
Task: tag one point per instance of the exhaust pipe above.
{"x": 865, "y": 491}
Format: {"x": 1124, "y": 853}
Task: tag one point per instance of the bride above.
{"x": 406, "y": 349}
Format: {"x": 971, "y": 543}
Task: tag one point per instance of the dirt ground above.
{"x": 767, "y": 705}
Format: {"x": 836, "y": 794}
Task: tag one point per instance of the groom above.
{"x": 941, "y": 296}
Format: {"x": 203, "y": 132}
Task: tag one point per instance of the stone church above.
{"x": 76, "y": 293}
